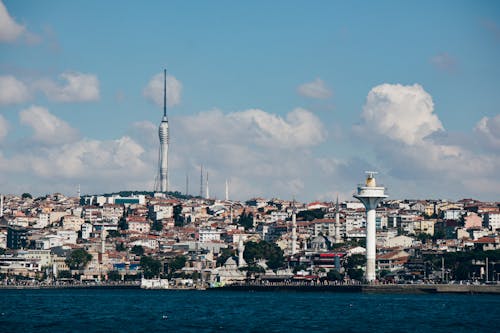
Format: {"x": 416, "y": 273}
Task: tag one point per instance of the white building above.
{"x": 492, "y": 220}
{"x": 399, "y": 241}
{"x": 453, "y": 214}
{"x": 209, "y": 235}
{"x": 86, "y": 230}
{"x": 43, "y": 221}
{"x": 67, "y": 236}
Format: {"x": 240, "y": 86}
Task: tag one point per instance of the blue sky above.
{"x": 274, "y": 96}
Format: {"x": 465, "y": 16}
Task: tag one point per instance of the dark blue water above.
{"x": 91, "y": 310}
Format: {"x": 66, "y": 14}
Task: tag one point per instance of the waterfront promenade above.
{"x": 369, "y": 288}
{"x": 291, "y": 287}
{"x": 73, "y": 285}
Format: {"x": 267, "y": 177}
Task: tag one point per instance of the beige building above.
{"x": 72, "y": 222}
{"x": 424, "y": 226}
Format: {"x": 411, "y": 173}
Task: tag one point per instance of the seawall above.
{"x": 379, "y": 289}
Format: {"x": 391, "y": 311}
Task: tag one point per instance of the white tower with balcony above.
{"x": 370, "y": 195}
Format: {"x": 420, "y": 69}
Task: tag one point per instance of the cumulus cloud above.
{"x": 489, "y": 130}
{"x": 12, "y": 91}
{"x": 99, "y": 165}
{"x": 400, "y": 123}
{"x": 10, "y": 30}
{"x": 144, "y": 132}
{"x": 263, "y": 154}
{"x": 401, "y": 113}
{"x": 444, "y": 61}
{"x": 76, "y": 87}
{"x": 87, "y": 158}
{"x": 47, "y": 128}
{"x": 315, "y": 89}
{"x": 154, "y": 90}
{"x": 4, "y": 128}
{"x": 300, "y": 127}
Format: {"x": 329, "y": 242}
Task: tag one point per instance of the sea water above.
{"x": 135, "y": 310}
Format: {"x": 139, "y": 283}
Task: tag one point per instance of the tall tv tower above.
{"x": 163, "y": 135}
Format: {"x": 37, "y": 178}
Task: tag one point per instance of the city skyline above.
{"x": 282, "y": 100}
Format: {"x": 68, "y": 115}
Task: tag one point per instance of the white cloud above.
{"x": 78, "y": 87}
{"x": 154, "y": 90}
{"x": 300, "y": 128}
{"x": 48, "y": 129}
{"x": 399, "y": 122}
{"x": 12, "y": 91}
{"x": 401, "y": 113}
{"x": 144, "y": 132}
{"x": 263, "y": 154}
{"x": 91, "y": 158}
{"x": 100, "y": 166}
{"x": 4, "y": 127}
{"x": 10, "y": 30}
{"x": 489, "y": 130}
{"x": 315, "y": 89}
{"x": 444, "y": 61}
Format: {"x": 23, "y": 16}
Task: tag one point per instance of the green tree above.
{"x": 355, "y": 274}
{"x": 114, "y": 275}
{"x": 64, "y": 275}
{"x": 122, "y": 224}
{"x": 26, "y": 196}
{"x": 177, "y": 263}
{"x": 439, "y": 234}
{"x": 196, "y": 275}
{"x": 424, "y": 237}
{"x": 78, "y": 259}
{"x": 246, "y": 220}
{"x": 157, "y": 225}
{"x": 355, "y": 260}
{"x": 178, "y": 218}
{"x": 137, "y": 250}
{"x": 334, "y": 275}
{"x": 271, "y": 252}
{"x": 150, "y": 267}
{"x": 224, "y": 255}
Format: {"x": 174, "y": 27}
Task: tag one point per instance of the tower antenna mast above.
{"x": 165, "y": 93}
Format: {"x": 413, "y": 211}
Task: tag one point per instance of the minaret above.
{"x": 103, "y": 241}
{"x": 102, "y": 252}
{"x": 201, "y": 181}
{"x": 370, "y": 195}
{"x": 163, "y": 135}
{"x": 227, "y": 191}
{"x": 337, "y": 222}
{"x": 206, "y": 188}
{"x": 294, "y": 230}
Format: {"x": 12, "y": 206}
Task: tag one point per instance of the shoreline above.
{"x": 361, "y": 288}
{"x": 375, "y": 289}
